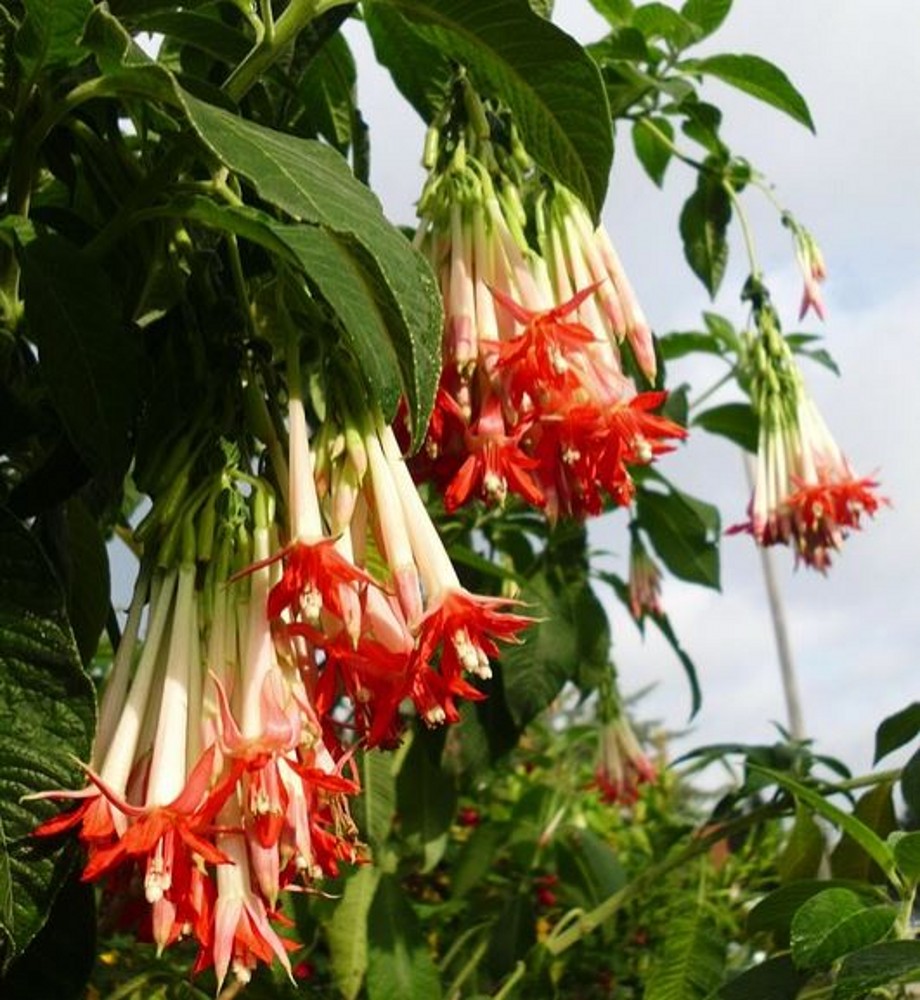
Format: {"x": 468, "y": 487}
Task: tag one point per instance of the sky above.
{"x": 856, "y": 185}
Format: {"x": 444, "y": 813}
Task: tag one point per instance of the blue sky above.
{"x": 856, "y": 185}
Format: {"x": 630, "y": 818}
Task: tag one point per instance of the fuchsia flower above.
{"x": 533, "y": 397}
{"x": 622, "y": 767}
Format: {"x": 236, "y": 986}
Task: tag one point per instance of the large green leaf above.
{"x": 60, "y": 958}
{"x": 47, "y": 716}
{"x": 759, "y": 78}
{"x": 684, "y": 532}
{"x": 399, "y": 965}
{"x": 897, "y": 730}
{"x": 49, "y": 34}
{"x": 87, "y": 581}
{"x": 312, "y": 182}
{"x": 419, "y": 69}
{"x": 875, "y": 810}
{"x": 708, "y": 15}
{"x": 704, "y": 221}
{"x": 804, "y": 850}
{"x": 569, "y": 642}
{"x": 690, "y": 966}
{"x": 551, "y": 85}
{"x": 775, "y": 911}
{"x": 735, "y": 421}
{"x": 426, "y": 800}
{"x": 834, "y": 923}
{"x": 864, "y": 836}
{"x": 89, "y": 359}
{"x": 875, "y": 966}
{"x": 377, "y": 804}
{"x": 775, "y": 979}
{"x": 347, "y": 930}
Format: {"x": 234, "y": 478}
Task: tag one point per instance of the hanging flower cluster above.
{"x": 533, "y": 399}
{"x": 806, "y": 495}
{"x": 621, "y": 767}
{"x": 224, "y": 766}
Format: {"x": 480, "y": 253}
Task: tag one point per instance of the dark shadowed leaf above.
{"x": 897, "y": 730}
{"x": 735, "y": 421}
{"x": 703, "y": 224}
{"x": 89, "y": 359}
{"x": 774, "y": 979}
{"x": 551, "y": 85}
{"x": 399, "y": 964}
{"x": 47, "y": 716}
{"x": 891, "y": 961}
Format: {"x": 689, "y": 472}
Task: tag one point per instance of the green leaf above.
{"x": 775, "y": 979}
{"x": 907, "y": 854}
{"x": 897, "y": 730}
{"x": 313, "y": 183}
{"x": 87, "y": 584}
{"x": 377, "y": 805}
{"x": 651, "y": 151}
{"x": 804, "y": 850}
{"x": 684, "y": 532}
{"x": 679, "y": 344}
{"x": 60, "y": 958}
{"x": 735, "y": 421}
{"x": 775, "y": 911}
{"x": 658, "y": 20}
{"x": 399, "y": 965}
{"x": 426, "y": 801}
{"x": 834, "y": 923}
{"x": 348, "y": 279}
{"x": 89, "y": 360}
{"x": 476, "y": 857}
{"x": 551, "y": 85}
{"x": 421, "y": 72}
{"x": 513, "y": 933}
{"x": 708, "y": 15}
{"x": 47, "y": 717}
{"x": 206, "y": 32}
{"x": 758, "y": 77}
{"x": 869, "y": 841}
{"x": 615, "y": 11}
{"x": 570, "y": 641}
{"x": 588, "y": 867}
{"x": 691, "y": 964}
{"x": 663, "y": 624}
{"x": 347, "y": 930}
{"x": 49, "y": 34}
{"x": 704, "y": 221}
{"x": 327, "y": 92}
{"x": 877, "y": 965}
{"x": 875, "y": 810}
{"x": 910, "y": 784}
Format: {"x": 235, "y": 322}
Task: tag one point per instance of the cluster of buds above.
{"x": 806, "y": 495}
{"x": 273, "y": 650}
{"x": 534, "y": 398}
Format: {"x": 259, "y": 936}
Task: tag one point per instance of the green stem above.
{"x": 746, "y": 230}
{"x": 865, "y": 780}
{"x": 510, "y": 982}
{"x": 275, "y": 39}
{"x": 713, "y": 389}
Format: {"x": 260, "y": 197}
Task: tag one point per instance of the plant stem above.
{"x": 277, "y": 36}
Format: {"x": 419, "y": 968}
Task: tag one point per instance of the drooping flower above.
{"x": 806, "y": 494}
{"x": 621, "y": 766}
{"x": 533, "y": 392}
